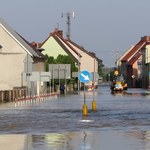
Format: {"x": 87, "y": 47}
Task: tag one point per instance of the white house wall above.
{"x": 11, "y": 61}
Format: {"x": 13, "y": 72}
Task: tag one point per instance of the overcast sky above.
{"x": 106, "y": 27}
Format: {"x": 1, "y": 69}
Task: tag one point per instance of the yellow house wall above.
{"x": 52, "y": 48}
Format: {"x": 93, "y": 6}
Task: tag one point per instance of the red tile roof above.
{"x": 134, "y": 58}
{"x": 134, "y": 50}
{"x": 92, "y": 54}
{"x": 57, "y": 35}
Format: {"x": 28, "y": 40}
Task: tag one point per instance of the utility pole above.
{"x": 68, "y": 22}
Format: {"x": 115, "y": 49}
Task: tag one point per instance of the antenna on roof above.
{"x": 68, "y": 22}
{"x": 73, "y": 14}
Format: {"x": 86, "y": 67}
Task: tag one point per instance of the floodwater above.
{"x": 121, "y": 122}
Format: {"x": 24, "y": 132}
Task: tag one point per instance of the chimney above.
{"x": 60, "y": 32}
{"x": 146, "y": 38}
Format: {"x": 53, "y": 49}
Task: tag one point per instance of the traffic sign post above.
{"x": 94, "y": 78}
{"x": 84, "y": 77}
{"x": 60, "y": 71}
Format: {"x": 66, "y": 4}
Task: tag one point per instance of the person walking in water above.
{"x": 62, "y": 88}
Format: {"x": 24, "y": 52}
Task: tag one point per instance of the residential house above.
{"x": 55, "y": 44}
{"x": 119, "y": 63}
{"x": 146, "y": 64}
{"x": 131, "y": 63}
{"x": 17, "y": 57}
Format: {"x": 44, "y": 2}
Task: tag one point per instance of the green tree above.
{"x": 100, "y": 69}
{"x": 63, "y": 59}
{"x": 50, "y": 60}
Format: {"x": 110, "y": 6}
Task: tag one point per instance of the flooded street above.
{"x": 122, "y": 121}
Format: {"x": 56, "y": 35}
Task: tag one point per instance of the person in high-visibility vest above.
{"x": 116, "y": 72}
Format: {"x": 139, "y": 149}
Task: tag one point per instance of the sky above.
{"x": 107, "y": 27}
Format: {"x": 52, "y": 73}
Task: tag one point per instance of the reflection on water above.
{"x": 121, "y": 122}
{"x": 131, "y": 92}
{"x": 12, "y": 142}
{"x": 118, "y": 93}
{"x": 86, "y": 140}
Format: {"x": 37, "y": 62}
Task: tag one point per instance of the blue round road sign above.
{"x": 84, "y": 76}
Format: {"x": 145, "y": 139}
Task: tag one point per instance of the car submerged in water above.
{"x": 118, "y": 83}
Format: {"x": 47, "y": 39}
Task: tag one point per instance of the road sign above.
{"x": 85, "y": 76}
{"x": 75, "y": 74}
{"x": 45, "y": 76}
{"x": 60, "y": 71}
{"x": 37, "y": 76}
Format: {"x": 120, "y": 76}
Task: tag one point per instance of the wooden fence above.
{"x": 11, "y": 95}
